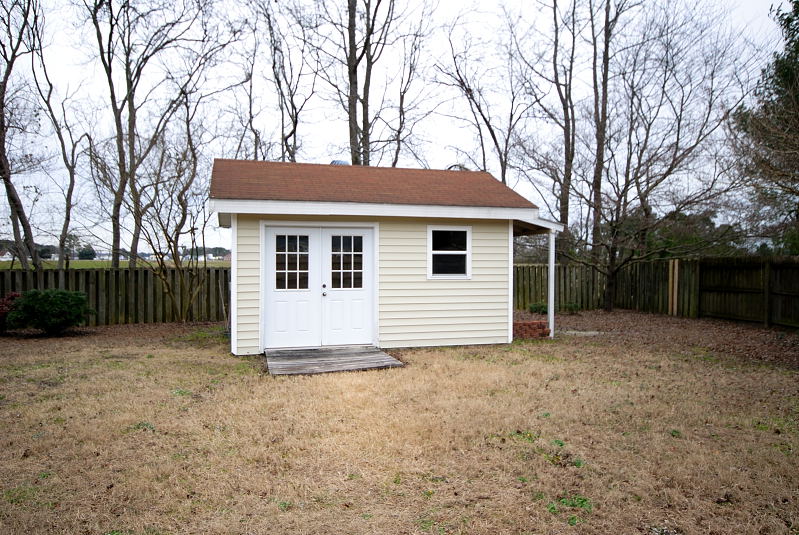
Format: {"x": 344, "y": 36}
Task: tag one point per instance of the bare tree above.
{"x": 349, "y": 44}
{"x": 21, "y": 20}
{"x": 657, "y": 114}
{"x": 174, "y": 227}
{"x": 133, "y": 42}
{"x": 548, "y": 63}
{"x": 68, "y": 140}
{"x": 497, "y": 131}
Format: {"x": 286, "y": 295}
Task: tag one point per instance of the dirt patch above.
{"x": 157, "y": 429}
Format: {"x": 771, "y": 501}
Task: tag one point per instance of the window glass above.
{"x": 291, "y": 262}
{"x": 449, "y": 253}
{"x": 346, "y": 262}
{"x": 449, "y": 240}
{"x": 449, "y": 264}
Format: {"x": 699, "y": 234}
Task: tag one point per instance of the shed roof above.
{"x": 282, "y": 181}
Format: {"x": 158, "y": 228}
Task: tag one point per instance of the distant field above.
{"x": 89, "y": 264}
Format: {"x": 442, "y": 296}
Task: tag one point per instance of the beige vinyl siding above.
{"x": 415, "y": 311}
{"x": 412, "y": 310}
{"x": 248, "y": 287}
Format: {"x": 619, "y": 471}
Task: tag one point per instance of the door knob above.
{"x": 324, "y": 286}
{"x": 324, "y": 294}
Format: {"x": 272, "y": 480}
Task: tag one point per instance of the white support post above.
{"x": 551, "y": 285}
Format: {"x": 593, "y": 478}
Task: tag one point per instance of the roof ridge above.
{"x": 350, "y": 166}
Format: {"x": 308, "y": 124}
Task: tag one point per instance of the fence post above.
{"x": 767, "y": 293}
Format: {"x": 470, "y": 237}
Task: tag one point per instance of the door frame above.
{"x": 267, "y": 223}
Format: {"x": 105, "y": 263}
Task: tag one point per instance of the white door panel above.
{"x": 293, "y": 300}
{"x": 347, "y": 278}
{"x": 319, "y": 286}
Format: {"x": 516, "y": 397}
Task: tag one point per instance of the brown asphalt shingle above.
{"x": 280, "y": 181}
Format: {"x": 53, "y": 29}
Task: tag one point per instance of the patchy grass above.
{"x": 157, "y": 429}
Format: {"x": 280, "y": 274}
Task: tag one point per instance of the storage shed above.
{"x": 327, "y": 255}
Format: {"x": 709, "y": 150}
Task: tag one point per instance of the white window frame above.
{"x": 430, "y": 252}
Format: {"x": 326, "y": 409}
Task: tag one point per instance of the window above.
{"x": 449, "y": 252}
{"x": 291, "y": 262}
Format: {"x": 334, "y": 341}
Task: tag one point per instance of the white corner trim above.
{"x": 551, "y": 285}
{"x": 262, "y": 285}
{"x": 468, "y": 254}
{"x": 376, "y": 279}
{"x": 247, "y": 206}
{"x": 510, "y": 281}
{"x": 234, "y": 260}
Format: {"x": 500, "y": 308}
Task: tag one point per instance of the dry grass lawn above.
{"x": 156, "y": 429}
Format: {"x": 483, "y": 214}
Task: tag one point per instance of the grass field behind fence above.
{"x": 95, "y": 264}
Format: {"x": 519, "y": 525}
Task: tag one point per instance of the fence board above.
{"x": 128, "y": 295}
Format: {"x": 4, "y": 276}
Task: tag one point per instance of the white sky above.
{"x": 749, "y": 16}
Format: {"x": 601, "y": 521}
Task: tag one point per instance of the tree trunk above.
{"x": 609, "y": 297}
{"x": 610, "y": 292}
{"x": 352, "y": 77}
{"x": 601, "y": 120}
{"x": 18, "y": 212}
{"x": 62, "y": 239}
{"x": 21, "y": 250}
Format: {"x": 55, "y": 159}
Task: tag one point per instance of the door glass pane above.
{"x": 346, "y": 262}
{"x": 291, "y": 266}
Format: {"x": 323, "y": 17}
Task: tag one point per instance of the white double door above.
{"x": 319, "y": 287}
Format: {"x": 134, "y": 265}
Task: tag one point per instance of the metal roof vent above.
{"x": 339, "y": 162}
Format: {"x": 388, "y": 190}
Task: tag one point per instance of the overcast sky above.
{"x": 751, "y": 17}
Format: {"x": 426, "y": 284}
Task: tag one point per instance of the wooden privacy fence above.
{"x": 749, "y": 289}
{"x": 578, "y": 287}
{"x": 128, "y": 295}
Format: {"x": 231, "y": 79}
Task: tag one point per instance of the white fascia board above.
{"x": 242, "y": 206}
{"x": 545, "y": 223}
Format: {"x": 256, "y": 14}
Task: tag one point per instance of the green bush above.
{"x": 538, "y": 308}
{"x": 571, "y": 308}
{"x": 51, "y": 311}
{"x": 6, "y": 306}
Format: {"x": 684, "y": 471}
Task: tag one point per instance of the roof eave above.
{"x": 526, "y": 220}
